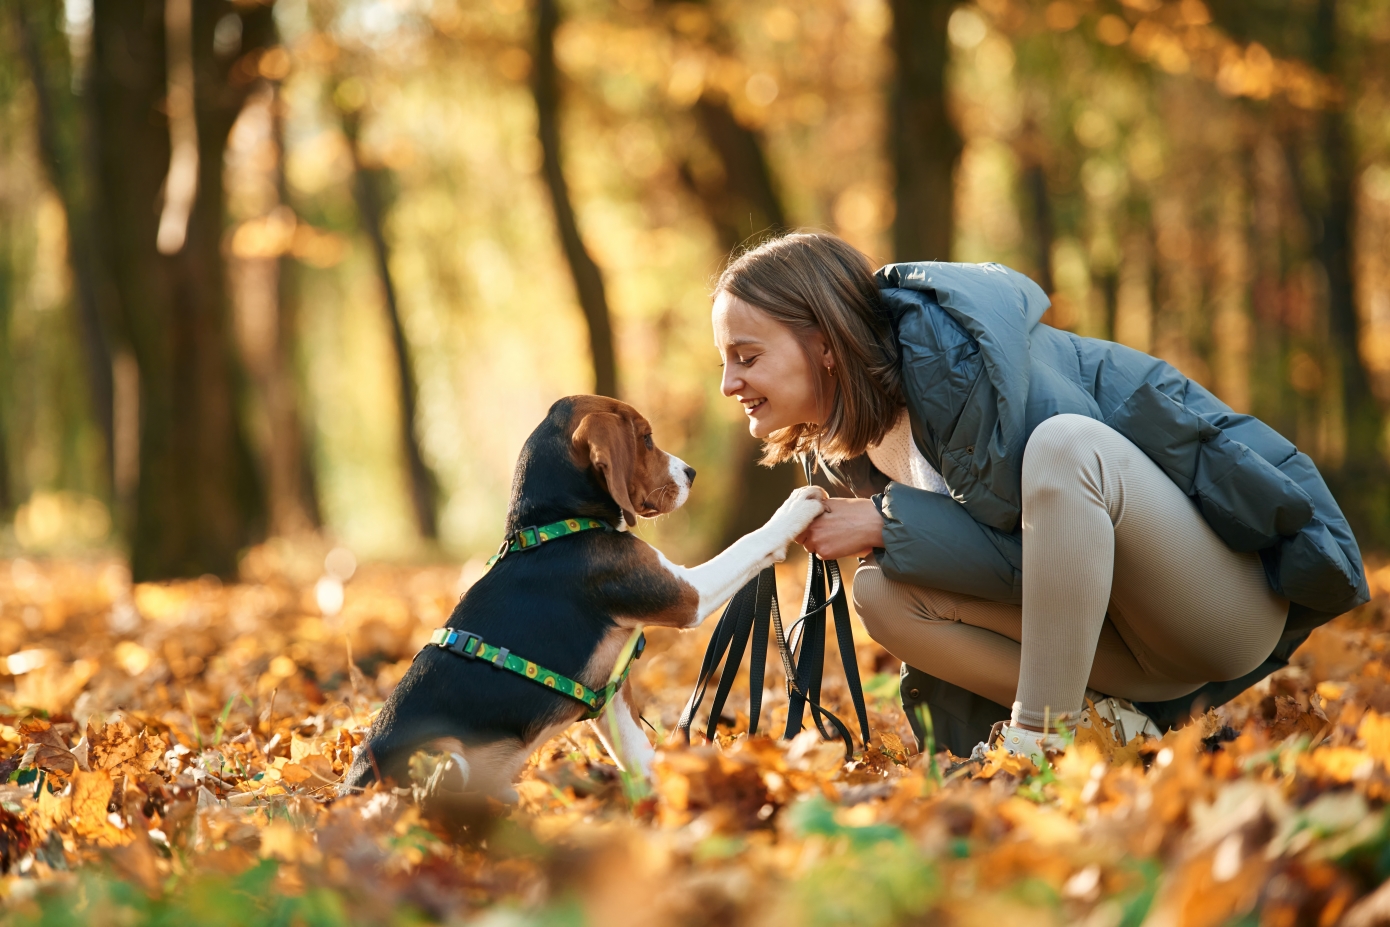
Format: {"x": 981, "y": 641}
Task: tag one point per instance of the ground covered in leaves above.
{"x": 169, "y": 754}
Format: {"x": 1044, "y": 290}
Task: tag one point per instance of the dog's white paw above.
{"x": 803, "y": 506}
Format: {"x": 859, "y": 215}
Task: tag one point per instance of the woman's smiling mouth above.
{"x": 751, "y": 406}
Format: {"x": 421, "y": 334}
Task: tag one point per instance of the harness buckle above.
{"x": 527, "y": 537}
{"x": 463, "y": 643}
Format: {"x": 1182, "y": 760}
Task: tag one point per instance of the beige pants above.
{"x": 1126, "y": 589}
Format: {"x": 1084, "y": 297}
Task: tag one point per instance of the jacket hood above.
{"x": 973, "y": 426}
{"x": 986, "y": 294}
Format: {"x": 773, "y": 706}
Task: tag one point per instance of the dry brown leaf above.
{"x": 114, "y": 745}
{"x": 294, "y": 774}
{"x": 54, "y": 759}
{"x": 90, "y": 820}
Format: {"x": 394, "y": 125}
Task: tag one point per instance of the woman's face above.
{"x": 767, "y": 369}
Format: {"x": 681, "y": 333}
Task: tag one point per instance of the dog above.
{"x": 562, "y": 609}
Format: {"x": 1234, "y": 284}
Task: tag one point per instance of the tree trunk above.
{"x": 588, "y": 280}
{"x": 1035, "y": 185}
{"x": 926, "y": 145}
{"x": 95, "y": 344}
{"x": 424, "y": 488}
{"x": 265, "y": 331}
{"x": 1327, "y": 196}
{"x": 7, "y": 493}
{"x": 292, "y": 428}
{"x": 1032, "y": 149}
{"x": 197, "y": 503}
{"x": 741, "y": 203}
{"x": 1334, "y": 252}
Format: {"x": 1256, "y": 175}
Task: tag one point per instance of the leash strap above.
{"x": 750, "y": 614}
{"x": 527, "y": 538}
{"x": 472, "y": 647}
{"x": 753, "y": 614}
{"x": 809, "y": 644}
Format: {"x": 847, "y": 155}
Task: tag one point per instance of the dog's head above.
{"x": 613, "y": 441}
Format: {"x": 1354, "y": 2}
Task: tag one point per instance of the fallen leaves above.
{"x": 190, "y": 743}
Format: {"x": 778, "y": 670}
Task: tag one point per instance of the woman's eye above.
{"x": 747, "y": 361}
{"x": 651, "y": 445}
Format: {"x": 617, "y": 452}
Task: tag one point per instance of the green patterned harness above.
{"x": 527, "y": 538}
{"x": 472, "y": 647}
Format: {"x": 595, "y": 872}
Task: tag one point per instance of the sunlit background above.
{"x": 1208, "y": 183}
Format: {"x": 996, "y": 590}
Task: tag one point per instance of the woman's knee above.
{"x": 1062, "y": 452}
{"x": 888, "y": 607}
{"x": 872, "y": 597}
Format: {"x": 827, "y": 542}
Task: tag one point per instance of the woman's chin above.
{"x": 760, "y": 429}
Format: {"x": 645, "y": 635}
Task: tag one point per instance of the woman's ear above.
{"x": 819, "y": 348}
{"x": 607, "y": 442}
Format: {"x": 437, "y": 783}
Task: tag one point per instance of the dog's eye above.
{"x": 651, "y": 446}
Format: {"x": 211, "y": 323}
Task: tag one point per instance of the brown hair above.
{"x": 816, "y": 282}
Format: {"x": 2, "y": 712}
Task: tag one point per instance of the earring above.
{"x": 830, "y": 370}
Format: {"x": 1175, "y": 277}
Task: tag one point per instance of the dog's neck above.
{"x": 548, "y": 487}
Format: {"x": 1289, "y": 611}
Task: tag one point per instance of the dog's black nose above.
{"x": 690, "y": 474}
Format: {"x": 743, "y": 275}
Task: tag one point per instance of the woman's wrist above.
{"x": 849, "y": 527}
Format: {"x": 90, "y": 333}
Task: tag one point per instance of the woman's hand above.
{"x": 849, "y": 528}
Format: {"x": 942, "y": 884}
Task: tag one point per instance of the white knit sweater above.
{"x": 898, "y": 458}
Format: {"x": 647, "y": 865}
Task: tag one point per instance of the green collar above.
{"x": 470, "y": 646}
{"x": 527, "y": 538}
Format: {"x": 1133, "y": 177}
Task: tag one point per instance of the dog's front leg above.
{"x": 624, "y": 738}
{"x": 718, "y": 579}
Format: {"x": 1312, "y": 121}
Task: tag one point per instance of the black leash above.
{"x": 753, "y": 614}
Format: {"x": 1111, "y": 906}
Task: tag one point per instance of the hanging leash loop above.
{"x": 753, "y": 615}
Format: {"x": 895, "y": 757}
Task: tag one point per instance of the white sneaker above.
{"x": 1128, "y": 722}
{"x": 1033, "y": 744}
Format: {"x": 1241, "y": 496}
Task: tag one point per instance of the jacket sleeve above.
{"x": 929, "y": 539}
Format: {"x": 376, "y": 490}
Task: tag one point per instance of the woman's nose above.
{"x": 730, "y": 383}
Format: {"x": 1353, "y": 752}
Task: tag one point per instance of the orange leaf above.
{"x": 91, "y": 793}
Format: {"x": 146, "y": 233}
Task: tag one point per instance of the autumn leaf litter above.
{"x": 168, "y": 746}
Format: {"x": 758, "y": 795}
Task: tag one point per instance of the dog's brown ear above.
{"x": 608, "y": 443}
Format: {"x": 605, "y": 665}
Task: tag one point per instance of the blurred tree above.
{"x": 40, "y": 39}
{"x": 1032, "y": 155}
{"x": 740, "y": 201}
{"x": 1319, "y": 147}
{"x": 7, "y": 500}
{"x": 290, "y": 433}
{"x": 264, "y": 298}
{"x": 926, "y": 145}
{"x": 367, "y": 187}
{"x": 588, "y": 279}
{"x": 163, "y": 105}
{"x": 8, "y": 82}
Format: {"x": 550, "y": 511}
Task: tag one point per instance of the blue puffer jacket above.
{"x": 981, "y": 371}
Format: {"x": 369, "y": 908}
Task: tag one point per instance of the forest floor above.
{"x": 169, "y": 754}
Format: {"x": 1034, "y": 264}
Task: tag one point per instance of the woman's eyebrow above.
{"x": 744, "y": 342}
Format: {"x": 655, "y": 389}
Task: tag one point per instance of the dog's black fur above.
{"x": 553, "y": 604}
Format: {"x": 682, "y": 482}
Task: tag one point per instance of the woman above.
{"x": 1044, "y": 518}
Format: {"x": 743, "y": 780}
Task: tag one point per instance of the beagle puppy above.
{"x": 569, "y": 606}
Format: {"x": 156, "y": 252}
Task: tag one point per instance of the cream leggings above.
{"x": 1126, "y": 589}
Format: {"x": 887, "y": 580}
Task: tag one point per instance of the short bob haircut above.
{"x": 812, "y": 281}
